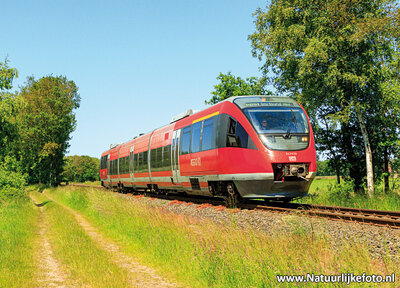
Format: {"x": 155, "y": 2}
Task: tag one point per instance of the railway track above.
{"x": 367, "y": 216}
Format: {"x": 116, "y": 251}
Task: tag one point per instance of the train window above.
{"x": 145, "y": 167}
{"x": 138, "y": 160}
{"x": 236, "y": 136}
{"x": 140, "y": 164}
{"x": 156, "y": 159}
{"x": 153, "y": 160}
{"x": 125, "y": 165}
{"x": 232, "y": 126}
{"x": 195, "y": 141}
{"x": 185, "y": 144}
{"x": 207, "y": 141}
{"x": 167, "y": 157}
{"x": 242, "y": 137}
{"x": 159, "y": 158}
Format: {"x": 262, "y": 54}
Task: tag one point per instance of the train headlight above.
{"x": 304, "y": 139}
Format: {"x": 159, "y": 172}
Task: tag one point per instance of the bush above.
{"x": 342, "y": 191}
{"x": 12, "y": 181}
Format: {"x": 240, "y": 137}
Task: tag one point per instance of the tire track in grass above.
{"x": 140, "y": 275}
{"x": 50, "y": 272}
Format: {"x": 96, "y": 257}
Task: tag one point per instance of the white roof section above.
{"x": 181, "y": 116}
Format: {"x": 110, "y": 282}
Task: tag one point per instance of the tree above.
{"x": 8, "y": 131}
{"x": 235, "y": 86}
{"x": 7, "y": 75}
{"x": 331, "y": 55}
{"x": 88, "y": 169}
{"x": 81, "y": 169}
{"x": 45, "y": 119}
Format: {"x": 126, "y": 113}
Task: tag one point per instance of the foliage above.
{"x": 81, "y": 169}
{"x": 333, "y": 56}
{"x": 235, "y": 86}
{"x": 326, "y": 191}
{"x": 8, "y": 128}
{"x": 326, "y": 168}
{"x": 12, "y": 181}
{"x": 45, "y": 120}
{"x": 7, "y": 75}
{"x": 8, "y": 133}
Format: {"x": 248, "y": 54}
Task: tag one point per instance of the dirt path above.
{"x": 140, "y": 275}
{"x": 50, "y": 273}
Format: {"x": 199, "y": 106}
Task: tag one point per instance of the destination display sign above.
{"x": 269, "y": 104}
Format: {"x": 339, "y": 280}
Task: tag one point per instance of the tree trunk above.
{"x": 355, "y": 171}
{"x": 338, "y": 175}
{"x": 368, "y": 154}
{"x": 386, "y": 169}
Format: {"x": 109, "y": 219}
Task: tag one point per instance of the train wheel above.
{"x": 232, "y": 198}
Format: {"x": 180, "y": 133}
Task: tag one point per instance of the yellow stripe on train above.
{"x": 205, "y": 117}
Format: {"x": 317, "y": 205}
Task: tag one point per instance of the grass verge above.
{"x": 204, "y": 254}
{"x": 18, "y": 231}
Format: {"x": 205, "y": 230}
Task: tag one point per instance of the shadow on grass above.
{"x": 43, "y": 203}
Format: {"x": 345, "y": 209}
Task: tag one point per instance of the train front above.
{"x": 286, "y": 146}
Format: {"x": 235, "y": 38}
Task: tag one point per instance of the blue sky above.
{"x": 136, "y": 63}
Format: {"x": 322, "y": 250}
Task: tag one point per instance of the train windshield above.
{"x": 280, "y": 128}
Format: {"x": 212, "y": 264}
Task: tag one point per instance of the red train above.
{"x": 241, "y": 148}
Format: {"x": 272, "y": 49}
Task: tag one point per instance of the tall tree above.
{"x": 7, "y": 105}
{"x": 45, "y": 121}
{"x": 331, "y": 56}
{"x": 7, "y": 75}
{"x": 235, "y": 86}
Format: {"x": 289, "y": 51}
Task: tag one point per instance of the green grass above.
{"x": 91, "y": 183}
{"x": 77, "y": 252}
{"x": 18, "y": 232}
{"x": 326, "y": 191}
{"x": 204, "y": 254}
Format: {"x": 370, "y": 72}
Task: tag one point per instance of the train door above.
{"x": 119, "y": 178}
{"x": 131, "y": 163}
{"x": 175, "y": 157}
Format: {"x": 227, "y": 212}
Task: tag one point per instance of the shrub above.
{"x": 12, "y": 181}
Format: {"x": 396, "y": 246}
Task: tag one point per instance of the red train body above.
{"x": 243, "y": 147}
